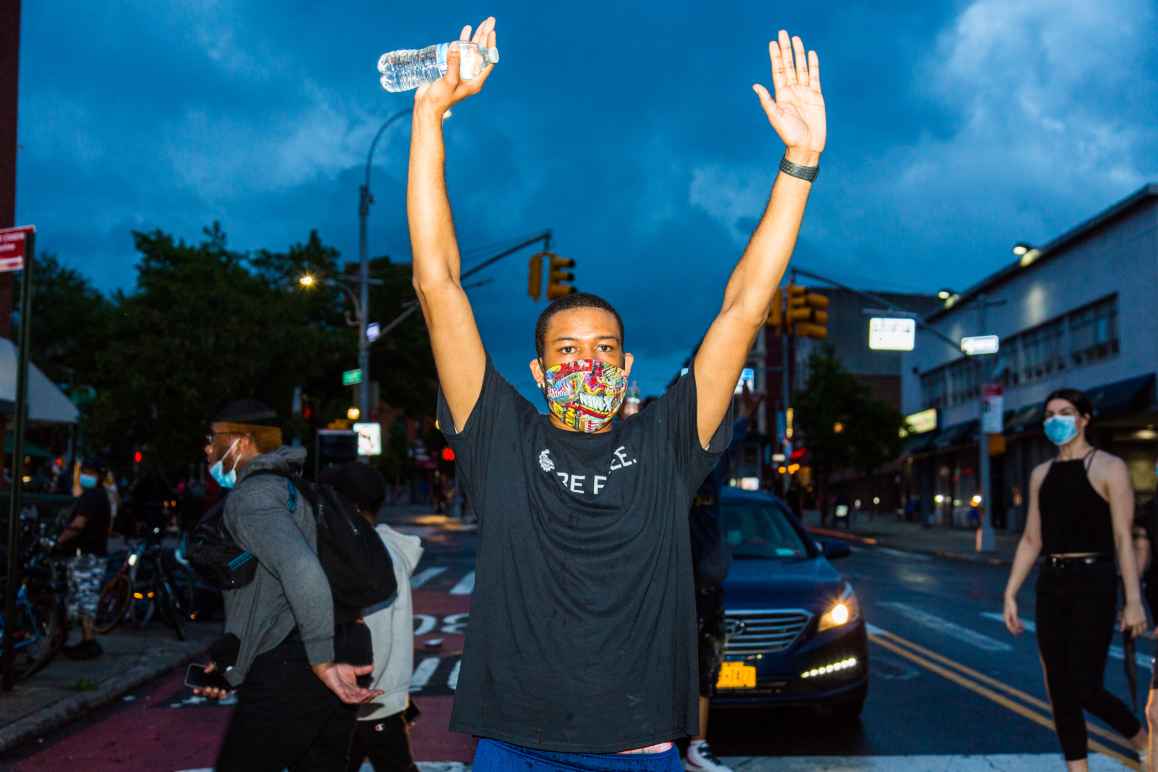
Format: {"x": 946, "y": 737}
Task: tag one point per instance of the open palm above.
{"x": 797, "y": 113}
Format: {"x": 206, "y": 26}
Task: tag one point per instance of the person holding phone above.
{"x": 1081, "y": 512}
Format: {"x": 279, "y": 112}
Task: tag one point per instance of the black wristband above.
{"x": 806, "y": 173}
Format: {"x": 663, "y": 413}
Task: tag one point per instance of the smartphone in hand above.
{"x": 197, "y": 678}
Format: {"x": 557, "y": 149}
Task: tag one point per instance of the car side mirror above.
{"x": 834, "y": 549}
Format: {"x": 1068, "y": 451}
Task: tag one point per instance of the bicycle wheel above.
{"x": 170, "y": 611}
{"x": 36, "y": 638}
{"x": 113, "y": 604}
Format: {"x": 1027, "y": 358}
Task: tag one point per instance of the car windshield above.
{"x": 760, "y": 530}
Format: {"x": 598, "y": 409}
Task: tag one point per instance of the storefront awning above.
{"x": 964, "y": 433}
{"x": 46, "y": 402}
{"x": 1120, "y": 397}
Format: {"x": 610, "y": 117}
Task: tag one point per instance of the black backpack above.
{"x": 216, "y": 556}
{"x": 355, "y": 560}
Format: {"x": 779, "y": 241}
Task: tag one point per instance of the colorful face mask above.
{"x": 584, "y": 394}
{"x": 1061, "y": 429}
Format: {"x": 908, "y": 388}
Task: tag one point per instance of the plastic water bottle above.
{"x": 408, "y": 69}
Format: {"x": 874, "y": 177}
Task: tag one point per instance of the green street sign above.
{"x": 351, "y": 377}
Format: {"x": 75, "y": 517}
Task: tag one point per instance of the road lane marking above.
{"x": 452, "y": 681}
{"x": 945, "y": 627}
{"x": 424, "y": 576}
{"x": 422, "y": 673}
{"x": 1142, "y": 660}
{"x": 904, "y": 555}
{"x": 465, "y": 585}
{"x": 894, "y": 644}
{"x": 877, "y": 634}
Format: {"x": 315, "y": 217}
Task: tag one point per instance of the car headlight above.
{"x": 844, "y": 610}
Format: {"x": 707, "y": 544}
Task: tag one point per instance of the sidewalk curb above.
{"x": 945, "y": 554}
{"x": 65, "y": 711}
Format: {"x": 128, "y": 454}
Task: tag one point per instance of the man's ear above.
{"x": 537, "y": 372}
{"x": 628, "y": 362}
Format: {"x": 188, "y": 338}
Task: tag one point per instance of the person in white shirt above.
{"x": 383, "y": 726}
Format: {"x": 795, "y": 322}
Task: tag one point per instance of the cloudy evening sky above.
{"x": 629, "y": 129}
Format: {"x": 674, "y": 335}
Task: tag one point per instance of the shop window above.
{"x": 1094, "y": 332}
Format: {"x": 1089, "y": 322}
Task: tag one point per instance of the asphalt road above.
{"x": 947, "y": 682}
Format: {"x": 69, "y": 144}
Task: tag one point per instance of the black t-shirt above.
{"x": 582, "y": 630}
{"x": 94, "y": 538}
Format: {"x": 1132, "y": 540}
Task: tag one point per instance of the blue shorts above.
{"x": 498, "y": 756}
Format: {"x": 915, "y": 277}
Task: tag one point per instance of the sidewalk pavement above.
{"x": 883, "y": 529}
{"x": 65, "y": 689}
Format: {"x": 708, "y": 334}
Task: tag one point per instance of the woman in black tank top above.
{"x": 1081, "y": 509}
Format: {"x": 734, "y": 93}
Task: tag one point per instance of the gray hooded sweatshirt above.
{"x": 290, "y": 589}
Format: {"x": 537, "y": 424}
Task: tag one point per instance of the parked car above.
{"x": 796, "y": 631}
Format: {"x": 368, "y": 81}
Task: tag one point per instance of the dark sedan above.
{"x": 796, "y": 634}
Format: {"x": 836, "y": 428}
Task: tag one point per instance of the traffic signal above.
{"x": 535, "y": 276}
{"x": 797, "y": 307}
{"x": 817, "y": 324}
{"x": 776, "y": 312}
{"x": 558, "y": 280}
{"x": 807, "y": 314}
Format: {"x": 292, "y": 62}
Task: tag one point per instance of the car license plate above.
{"x": 736, "y": 675}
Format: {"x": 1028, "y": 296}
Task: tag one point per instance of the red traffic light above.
{"x": 137, "y": 456}
{"x": 798, "y": 454}
{"x": 448, "y": 453}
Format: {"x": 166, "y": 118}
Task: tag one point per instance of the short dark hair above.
{"x": 566, "y": 303}
{"x": 1076, "y": 398}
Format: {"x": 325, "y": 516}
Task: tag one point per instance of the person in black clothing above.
{"x": 582, "y": 633}
{"x": 1081, "y": 508}
{"x": 86, "y": 538}
{"x": 710, "y": 561}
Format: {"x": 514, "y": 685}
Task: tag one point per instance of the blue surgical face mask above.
{"x": 88, "y": 481}
{"x": 225, "y": 479}
{"x": 1061, "y": 429}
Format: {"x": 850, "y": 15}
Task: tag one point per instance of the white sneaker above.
{"x": 701, "y": 759}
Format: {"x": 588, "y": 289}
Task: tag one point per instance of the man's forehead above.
{"x": 583, "y": 324}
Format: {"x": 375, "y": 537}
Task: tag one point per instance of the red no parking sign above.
{"x": 12, "y": 241}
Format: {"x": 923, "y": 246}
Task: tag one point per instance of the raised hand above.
{"x": 451, "y": 89}
{"x": 797, "y": 113}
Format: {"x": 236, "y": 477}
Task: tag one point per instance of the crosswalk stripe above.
{"x": 1142, "y": 660}
{"x": 917, "y": 556}
{"x": 452, "y": 681}
{"x": 424, "y": 576}
{"x": 465, "y": 585}
{"x": 945, "y": 627}
{"x": 422, "y": 673}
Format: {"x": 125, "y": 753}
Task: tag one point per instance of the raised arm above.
{"x": 797, "y": 115}
{"x": 454, "y": 338}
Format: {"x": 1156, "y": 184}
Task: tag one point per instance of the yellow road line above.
{"x": 991, "y": 695}
{"x": 968, "y": 671}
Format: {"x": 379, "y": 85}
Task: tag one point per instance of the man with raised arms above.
{"x": 582, "y": 642}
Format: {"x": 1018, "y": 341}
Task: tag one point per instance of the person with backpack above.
{"x": 383, "y": 727}
{"x": 711, "y": 560}
{"x": 294, "y": 693}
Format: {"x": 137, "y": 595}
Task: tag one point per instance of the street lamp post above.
{"x": 363, "y": 306}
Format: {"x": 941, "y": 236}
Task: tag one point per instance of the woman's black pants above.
{"x": 1076, "y": 614}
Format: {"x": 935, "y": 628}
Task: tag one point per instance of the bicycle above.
{"x": 40, "y": 626}
{"x": 142, "y": 587}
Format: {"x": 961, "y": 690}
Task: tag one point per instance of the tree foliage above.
{"x": 845, "y": 427}
{"x": 205, "y": 324}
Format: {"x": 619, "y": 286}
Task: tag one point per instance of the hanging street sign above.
{"x": 978, "y": 345}
{"x": 12, "y": 242}
{"x": 352, "y": 377}
{"x": 889, "y": 333}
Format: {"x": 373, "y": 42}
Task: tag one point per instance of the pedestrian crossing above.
{"x": 437, "y": 578}
{"x": 1116, "y": 652}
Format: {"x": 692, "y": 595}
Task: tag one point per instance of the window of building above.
{"x": 933, "y": 387}
{"x": 1094, "y": 331}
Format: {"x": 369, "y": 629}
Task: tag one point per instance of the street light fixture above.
{"x": 307, "y": 281}
{"x": 944, "y": 294}
{"x": 1026, "y": 253}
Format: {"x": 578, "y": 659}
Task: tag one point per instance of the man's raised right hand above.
{"x": 439, "y": 96}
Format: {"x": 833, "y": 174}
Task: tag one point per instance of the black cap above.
{"x": 246, "y": 411}
{"x": 360, "y": 483}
